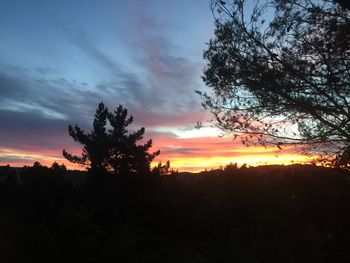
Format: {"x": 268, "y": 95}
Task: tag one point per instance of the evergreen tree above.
{"x": 115, "y": 150}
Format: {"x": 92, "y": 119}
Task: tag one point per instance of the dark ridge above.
{"x": 260, "y": 214}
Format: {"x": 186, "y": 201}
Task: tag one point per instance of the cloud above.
{"x": 43, "y": 70}
{"x": 89, "y": 48}
{"x": 159, "y": 90}
{"x": 23, "y": 90}
{"x": 31, "y": 134}
{"x": 37, "y": 104}
{"x": 196, "y": 154}
{"x": 10, "y": 87}
{"x": 35, "y": 111}
{"x": 30, "y": 130}
{"x": 164, "y": 94}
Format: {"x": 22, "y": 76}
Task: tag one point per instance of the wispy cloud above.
{"x": 160, "y": 87}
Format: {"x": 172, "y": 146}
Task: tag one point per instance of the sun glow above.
{"x": 196, "y": 164}
{"x": 186, "y": 154}
{"x": 194, "y": 154}
{"x": 19, "y": 158}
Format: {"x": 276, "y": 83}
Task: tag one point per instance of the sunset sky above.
{"x": 59, "y": 59}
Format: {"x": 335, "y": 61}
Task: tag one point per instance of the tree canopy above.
{"x": 110, "y": 148}
{"x": 279, "y": 73}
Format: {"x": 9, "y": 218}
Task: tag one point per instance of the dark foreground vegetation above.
{"x": 264, "y": 214}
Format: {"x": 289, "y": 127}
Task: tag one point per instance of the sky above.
{"x": 59, "y": 59}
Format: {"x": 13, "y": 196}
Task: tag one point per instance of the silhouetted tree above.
{"x": 37, "y": 164}
{"x": 231, "y": 168}
{"x": 244, "y": 166}
{"x": 115, "y": 150}
{"x": 280, "y": 74}
{"x": 162, "y": 169}
{"x": 58, "y": 169}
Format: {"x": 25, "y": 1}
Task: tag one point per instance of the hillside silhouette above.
{"x": 262, "y": 214}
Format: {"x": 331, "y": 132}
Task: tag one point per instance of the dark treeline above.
{"x": 264, "y": 214}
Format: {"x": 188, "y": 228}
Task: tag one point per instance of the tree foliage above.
{"x": 162, "y": 169}
{"x": 344, "y": 3}
{"x": 280, "y": 74}
{"x": 112, "y": 150}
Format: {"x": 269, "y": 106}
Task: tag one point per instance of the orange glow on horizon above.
{"x": 197, "y": 164}
{"x": 198, "y": 154}
{"x": 24, "y": 157}
{"x": 184, "y": 154}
